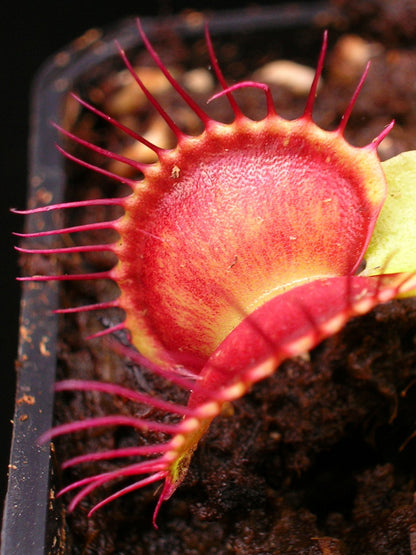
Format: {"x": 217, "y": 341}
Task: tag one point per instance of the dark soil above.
{"x": 318, "y": 459}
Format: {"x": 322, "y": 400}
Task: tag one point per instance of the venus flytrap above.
{"x": 239, "y": 248}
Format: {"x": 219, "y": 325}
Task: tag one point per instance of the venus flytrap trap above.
{"x": 239, "y": 248}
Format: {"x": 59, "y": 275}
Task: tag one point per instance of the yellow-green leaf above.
{"x": 393, "y": 244}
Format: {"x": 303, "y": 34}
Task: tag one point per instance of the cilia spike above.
{"x": 238, "y": 249}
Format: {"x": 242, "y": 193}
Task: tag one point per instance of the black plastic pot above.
{"x": 30, "y": 524}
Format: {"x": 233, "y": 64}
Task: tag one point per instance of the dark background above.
{"x": 29, "y": 35}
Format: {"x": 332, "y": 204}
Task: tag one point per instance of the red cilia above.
{"x": 238, "y": 248}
